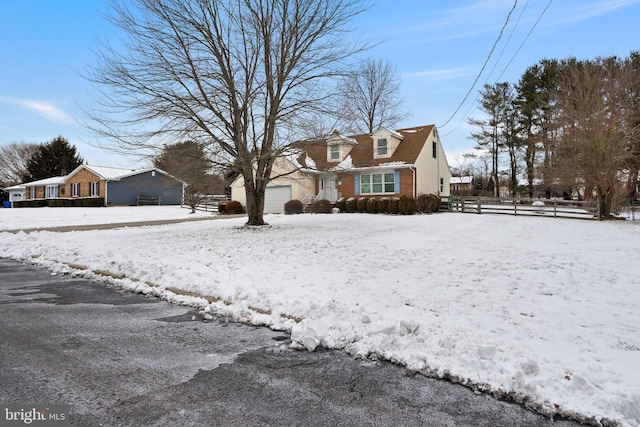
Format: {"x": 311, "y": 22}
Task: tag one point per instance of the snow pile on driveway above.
{"x": 543, "y": 311}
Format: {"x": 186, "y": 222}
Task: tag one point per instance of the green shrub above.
{"x": 322, "y": 206}
{"x": 362, "y": 205}
{"x": 407, "y": 205}
{"x": 292, "y": 207}
{"x": 93, "y": 202}
{"x": 351, "y": 205}
{"x": 372, "y": 205}
{"x": 427, "y": 203}
{"x": 234, "y": 207}
{"x": 341, "y": 204}
{"x": 393, "y": 205}
{"x": 383, "y": 205}
{"x": 30, "y": 204}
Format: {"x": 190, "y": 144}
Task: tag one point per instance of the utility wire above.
{"x": 493, "y": 48}
{"x": 473, "y": 106}
{"x": 526, "y": 38}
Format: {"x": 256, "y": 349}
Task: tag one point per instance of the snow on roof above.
{"x": 336, "y": 137}
{"x": 347, "y": 163}
{"x": 292, "y": 155}
{"x": 14, "y": 187}
{"x": 392, "y": 132}
{"x": 392, "y": 164}
{"x": 461, "y": 180}
{"x": 310, "y": 163}
{"x": 112, "y": 173}
{"x": 56, "y": 180}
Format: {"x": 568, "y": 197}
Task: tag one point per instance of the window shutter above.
{"x": 396, "y": 182}
{"x": 356, "y": 180}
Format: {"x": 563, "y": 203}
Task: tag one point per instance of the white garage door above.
{"x": 275, "y": 198}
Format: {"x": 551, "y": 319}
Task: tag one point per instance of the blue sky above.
{"x": 437, "y": 47}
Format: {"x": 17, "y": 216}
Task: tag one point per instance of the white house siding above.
{"x": 430, "y": 170}
{"x": 300, "y": 183}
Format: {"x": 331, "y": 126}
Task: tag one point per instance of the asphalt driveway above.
{"x": 120, "y": 359}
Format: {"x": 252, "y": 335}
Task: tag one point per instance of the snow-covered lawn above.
{"x": 543, "y": 310}
{"x": 12, "y": 219}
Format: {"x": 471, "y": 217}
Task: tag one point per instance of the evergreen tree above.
{"x": 188, "y": 162}
{"x": 54, "y": 158}
{"x": 497, "y": 129}
{"x": 536, "y": 92}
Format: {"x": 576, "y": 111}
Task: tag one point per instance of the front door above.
{"x": 328, "y": 188}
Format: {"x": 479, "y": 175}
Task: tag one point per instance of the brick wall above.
{"x": 346, "y": 185}
{"x": 406, "y": 182}
{"x": 84, "y": 178}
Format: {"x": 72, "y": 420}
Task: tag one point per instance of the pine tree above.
{"x": 54, "y": 158}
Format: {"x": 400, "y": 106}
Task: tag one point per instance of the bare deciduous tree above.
{"x": 369, "y": 98}
{"x": 13, "y": 161}
{"x": 597, "y": 126}
{"x": 235, "y": 74}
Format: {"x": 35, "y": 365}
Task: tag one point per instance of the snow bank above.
{"x": 544, "y": 311}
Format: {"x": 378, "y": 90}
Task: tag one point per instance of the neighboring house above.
{"x": 388, "y": 163}
{"x": 461, "y": 185}
{"x": 116, "y": 186}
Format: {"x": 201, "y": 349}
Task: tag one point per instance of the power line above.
{"x": 493, "y": 48}
{"x": 473, "y": 106}
{"x": 526, "y": 38}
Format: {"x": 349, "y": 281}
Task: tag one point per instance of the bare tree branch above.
{"x": 235, "y": 74}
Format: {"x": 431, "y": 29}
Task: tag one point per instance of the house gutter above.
{"x": 374, "y": 168}
{"x": 415, "y": 181}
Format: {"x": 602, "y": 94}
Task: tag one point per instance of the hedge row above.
{"x": 403, "y": 205}
{"x": 67, "y": 203}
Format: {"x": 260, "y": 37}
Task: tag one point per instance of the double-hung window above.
{"x": 335, "y": 152}
{"x": 382, "y": 147}
{"x": 377, "y": 183}
{"x": 75, "y": 189}
{"x": 32, "y": 192}
{"x": 94, "y": 189}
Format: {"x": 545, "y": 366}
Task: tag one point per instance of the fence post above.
{"x": 515, "y": 208}
{"x": 555, "y": 208}
{"x": 479, "y": 205}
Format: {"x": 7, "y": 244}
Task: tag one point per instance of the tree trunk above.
{"x": 255, "y": 205}
{"x": 605, "y": 202}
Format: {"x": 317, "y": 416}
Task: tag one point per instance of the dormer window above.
{"x": 334, "y": 153}
{"x": 382, "y": 146}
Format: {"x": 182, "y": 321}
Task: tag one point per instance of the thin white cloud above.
{"x": 439, "y": 75}
{"x": 44, "y": 108}
{"x": 580, "y": 11}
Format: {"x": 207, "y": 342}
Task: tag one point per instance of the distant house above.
{"x": 461, "y": 185}
{"x": 387, "y": 163}
{"x": 110, "y": 186}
